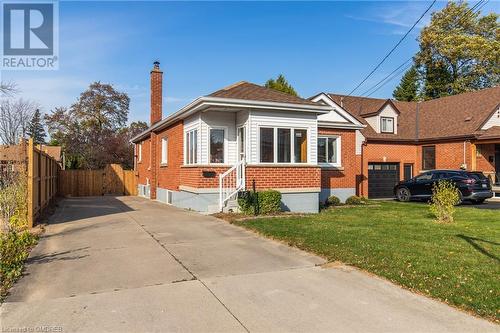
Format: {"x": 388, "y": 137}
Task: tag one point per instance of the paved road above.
{"x": 131, "y": 265}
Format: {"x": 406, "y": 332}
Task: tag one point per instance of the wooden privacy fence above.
{"x": 42, "y": 181}
{"x": 112, "y": 180}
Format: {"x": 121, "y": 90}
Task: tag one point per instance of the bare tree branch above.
{"x": 8, "y": 88}
{"x": 14, "y": 119}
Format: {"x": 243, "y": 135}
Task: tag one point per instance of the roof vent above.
{"x": 468, "y": 118}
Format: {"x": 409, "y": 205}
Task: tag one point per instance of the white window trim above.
{"x": 164, "y": 151}
{"x": 238, "y": 142}
{"x": 337, "y": 164}
{"x": 225, "y": 129}
{"x": 139, "y": 153}
{"x": 292, "y": 145}
{"x": 186, "y": 148}
{"x": 382, "y": 118}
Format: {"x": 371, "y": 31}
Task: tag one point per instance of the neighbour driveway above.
{"x": 131, "y": 265}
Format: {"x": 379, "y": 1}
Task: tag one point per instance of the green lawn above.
{"x": 458, "y": 263}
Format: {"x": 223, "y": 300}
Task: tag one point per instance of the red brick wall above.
{"x": 143, "y": 171}
{"x": 269, "y": 177}
{"x": 345, "y": 178}
{"x": 169, "y": 176}
{"x": 482, "y": 159}
{"x": 266, "y": 177}
{"x": 193, "y": 176}
{"x": 449, "y": 155}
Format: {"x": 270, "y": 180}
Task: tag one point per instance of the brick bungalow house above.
{"x": 402, "y": 139}
{"x": 200, "y": 156}
{"x": 219, "y": 144}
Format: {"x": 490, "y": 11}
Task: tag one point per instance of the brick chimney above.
{"x": 156, "y": 92}
{"x": 156, "y": 114}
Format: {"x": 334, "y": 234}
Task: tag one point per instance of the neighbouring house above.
{"x": 14, "y": 157}
{"x": 200, "y": 156}
{"x": 402, "y": 139}
{"x": 246, "y": 135}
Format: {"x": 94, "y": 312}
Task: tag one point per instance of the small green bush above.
{"x": 355, "y": 200}
{"x": 333, "y": 201}
{"x": 268, "y": 202}
{"x": 14, "y": 249}
{"x": 444, "y": 198}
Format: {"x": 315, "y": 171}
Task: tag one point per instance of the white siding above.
{"x": 226, "y": 120}
{"x": 285, "y": 119}
{"x": 388, "y": 111}
{"x": 374, "y": 122}
{"x": 359, "y": 142}
{"x": 493, "y": 121}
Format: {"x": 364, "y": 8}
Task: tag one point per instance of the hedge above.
{"x": 268, "y": 202}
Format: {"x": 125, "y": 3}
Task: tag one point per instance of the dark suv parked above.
{"x": 473, "y": 186}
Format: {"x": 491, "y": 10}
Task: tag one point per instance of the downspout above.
{"x": 362, "y": 180}
{"x": 417, "y": 118}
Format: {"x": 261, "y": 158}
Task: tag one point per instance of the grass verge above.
{"x": 457, "y": 263}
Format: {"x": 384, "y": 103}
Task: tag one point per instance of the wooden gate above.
{"x": 112, "y": 180}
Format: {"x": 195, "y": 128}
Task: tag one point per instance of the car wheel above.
{"x": 403, "y": 194}
{"x": 460, "y": 198}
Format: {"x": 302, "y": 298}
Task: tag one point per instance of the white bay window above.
{"x": 282, "y": 145}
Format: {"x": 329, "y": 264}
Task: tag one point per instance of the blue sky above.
{"x": 204, "y": 46}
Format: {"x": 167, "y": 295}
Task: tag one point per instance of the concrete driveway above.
{"x": 131, "y": 265}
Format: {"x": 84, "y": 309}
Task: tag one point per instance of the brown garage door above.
{"x": 381, "y": 179}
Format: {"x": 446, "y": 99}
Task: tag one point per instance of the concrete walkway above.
{"x": 131, "y": 265}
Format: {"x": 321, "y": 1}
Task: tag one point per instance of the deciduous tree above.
{"x": 15, "y": 116}
{"x": 459, "y": 51}
{"x": 93, "y": 131}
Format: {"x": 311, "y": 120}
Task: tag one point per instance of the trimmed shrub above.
{"x": 261, "y": 202}
{"x": 444, "y": 198}
{"x": 333, "y": 201}
{"x": 14, "y": 249}
{"x": 246, "y": 202}
{"x": 269, "y": 201}
{"x": 355, "y": 200}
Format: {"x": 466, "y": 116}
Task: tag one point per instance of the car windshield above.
{"x": 477, "y": 175}
{"x": 424, "y": 177}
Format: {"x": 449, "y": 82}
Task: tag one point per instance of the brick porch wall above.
{"x": 274, "y": 177}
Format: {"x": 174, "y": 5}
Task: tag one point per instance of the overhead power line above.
{"x": 393, "y": 49}
{"x": 473, "y": 10}
{"x": 389, "y": 79}
{"x": 381, "y": 81}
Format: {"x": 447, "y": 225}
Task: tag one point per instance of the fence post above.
{"x": 31, "y": 167}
